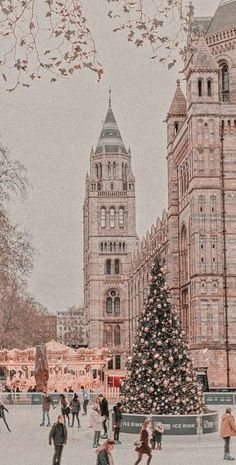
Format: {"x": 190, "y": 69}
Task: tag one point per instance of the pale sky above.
{"x": 51, "y": 128}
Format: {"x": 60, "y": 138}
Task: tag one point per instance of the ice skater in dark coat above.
{"x": 58, "y": 435}
{"x": 2, "y": 414}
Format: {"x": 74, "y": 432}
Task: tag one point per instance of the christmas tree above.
{"x": 160, "y": 378}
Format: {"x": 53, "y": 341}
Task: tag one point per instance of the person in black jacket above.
{"x": 117, "y": 417}
{"x": 104, "y": 413}
{"x": 104, "y": 456}
{"x": 58, "y": 435}
{"x": 2, "y": 414}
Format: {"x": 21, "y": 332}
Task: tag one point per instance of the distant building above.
{"x": 50, "y": 326}
{"x": 71, "y": 327}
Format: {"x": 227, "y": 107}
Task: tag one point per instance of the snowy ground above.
{"x": 27, "y": 444}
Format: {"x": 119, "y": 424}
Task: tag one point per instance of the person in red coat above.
{"x": 144, "y": 448}
{"x": 227, "y": 429}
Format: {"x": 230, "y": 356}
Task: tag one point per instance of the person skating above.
{"x": 65, "y": 408}
{"x": 58, "y": 435}
{"x": 86, "y": 399}
{"x": 157, "y": 436}
{"x": 104, "y": 413}
{"x": 75, "y": 409}
{"x": 97, "y": 422}
{"x": 104, "y": 453}
{"x": 117, "y": 417}
{"x": 2, "y": 414}
{"x": 144, "y": 447}
{"x": 227, "y": 429}
{"x": 47, "y": 402}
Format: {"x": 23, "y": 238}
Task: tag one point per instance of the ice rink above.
{"x": 27, "y": 444}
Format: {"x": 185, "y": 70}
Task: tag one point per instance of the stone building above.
{"x": 197, "y": 237}
{"x": 71, "y": 327}
{"x": 109, "y": 239}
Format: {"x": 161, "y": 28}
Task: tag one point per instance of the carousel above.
{"x": 67, "y": 368}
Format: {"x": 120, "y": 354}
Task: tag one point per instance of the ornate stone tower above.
{"x": 202, "y": 194}
{"x": 109, "y": 240}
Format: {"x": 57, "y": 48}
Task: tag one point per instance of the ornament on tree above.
{"x": 172, "y": 387}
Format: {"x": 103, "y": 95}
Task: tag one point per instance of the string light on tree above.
{"x": 160, "y": 378}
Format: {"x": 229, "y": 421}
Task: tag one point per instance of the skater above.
{"x": 157, "y": 435}
{"x": 117, "y": 417}
{"x": 104, "y": 453}
{"x": 86, "y": 399}
{"x": 144, "y": 447}
{"x": 75, "y": 409}
{"x": 227, "y": 429}
{"x": 96, "y": 421}
{"x": 2, "y": 414}
{"x": 47, "y": 402}
{"x": 65, "y": 408}
{"x": 58, "y": 435}
{"x": 104, "y": 413}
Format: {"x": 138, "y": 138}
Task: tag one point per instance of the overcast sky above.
{"x": 51, "y": 129}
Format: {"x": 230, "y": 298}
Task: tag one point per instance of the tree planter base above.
{"x": 174, "y": 424}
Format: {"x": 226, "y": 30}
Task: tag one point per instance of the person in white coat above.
{"x": 97, "y": 424}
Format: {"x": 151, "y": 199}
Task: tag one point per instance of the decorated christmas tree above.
{"x": 160, "y": 377}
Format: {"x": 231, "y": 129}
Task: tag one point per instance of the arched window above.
{"x": 117, "y": 306}
{"x": 103, "y": 217}
{"x": 117, "y": 338}
{"x": 199, "y": 86}
{"x": 121, "y": 217}
{"x": 225, "y": 82}
{"x": 112, "y": 217}
{"x": 109, "y": 170}
{"x": 209, "y": 87}
{"x": 117, "y": 266}
{"x": 122, "y": 171}
{"x": 176, "y": 127}
{"x": 100, "y": 171}
{"x": 108, "y": 336}
{"x": 96, "y": 168}
{"x": 126, "y": 171}
{"x": 114, "y": 170}
{"x": 108, "y": 266}
{"x": 184, "y": 254}
{"x": 109, "y": 305}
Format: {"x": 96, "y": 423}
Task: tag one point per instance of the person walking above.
{"x": 104, "y": 453}
{"x": 227, "y": 429}
{"x": 2, "y": 414}
{"x": 86, "y": 399}
{"x": 65, "y": 408}
{"x": 144, "y": 447}
{"x": 75, "y": 409}
{"x": 104, "y": 413}
{"x": 47, "y": 402}
{"x": 96, "y": 422}
{"x": 157, "y": 435}
{"x": 58, "y": 435}
{"x": 117, "y": 417}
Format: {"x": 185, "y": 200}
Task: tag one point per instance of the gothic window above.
{"x": 109, "y": 170}
{"x": 109, "y": 305}
{"x": 99, "y": 186}
{"x": 105, "y": 247}
{"x": 100, "y": 171}
{"x": 199, "y": 86}
{"x": 117, "y": 306}
{"x": 122, "y": 171}
{"x": 108, "y": 336}
{"x": 117, "y": 337}
{"x": 126, "y": 171}
{"x": 112, "y": 186}
{"x": 101, "y": 246}
{"x": 108, "y": 266}
{"x": 114, "y": 170}
{"x": 176, "y": 126}
{"x": 114, "y": 246}
{"x": 110, "y": 246}
{"x": 184, "y": 254}
{"x": 96, "y": 168}
{"x": 110, "y": 364}
{"x": 225, "y": 82}
{"x": 117, "y": 362}
{"x": 103, "y": 217}
{"x": 121, "y": 217}
{"x": 209, "y": 87}
{"x": 117, "y": 266}
{"x": 112, "y": 217}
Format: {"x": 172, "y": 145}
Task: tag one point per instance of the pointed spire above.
{"x": 202, "y": 57}
{"x": 179, "y": 104}
{"x": 110, "y": 139}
